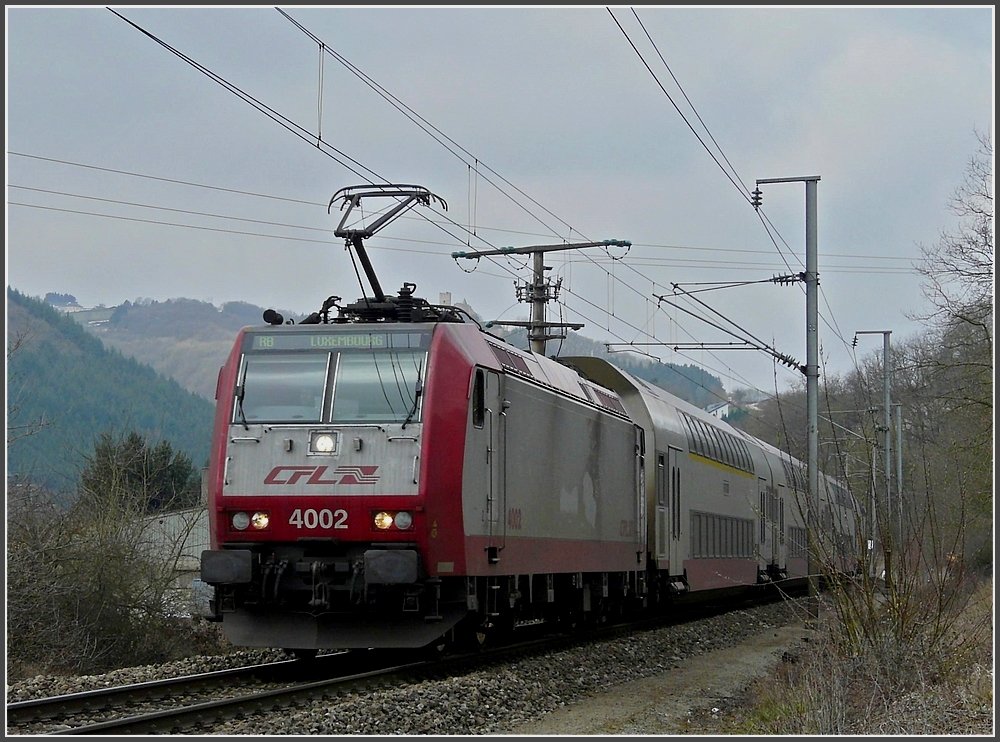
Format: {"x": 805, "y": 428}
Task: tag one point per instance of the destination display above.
{"x": 337, "y": 341}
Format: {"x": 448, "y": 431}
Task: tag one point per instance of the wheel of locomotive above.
{"x": 478, "y": 633}
{"x": 608, "y": 611}
{"x": 437, "y": 648}
{"x": 569, "y": 620}
{"x": 616, "y": 612}
{"x": 574, "y": 621}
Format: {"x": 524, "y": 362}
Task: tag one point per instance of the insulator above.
{"x": 757, "y": 198}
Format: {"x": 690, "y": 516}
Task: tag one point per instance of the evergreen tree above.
{"x": 128, "y": 473}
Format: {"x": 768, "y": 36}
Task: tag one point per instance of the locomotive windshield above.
{"x": 377, "y": 386}
{"x": 283, "y": 387}
{"x": 339, "y": 378}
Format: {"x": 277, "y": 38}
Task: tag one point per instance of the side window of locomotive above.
{"x": 479, "y": 399}
{"x": 378, "y": 386}
{"x": 285, "y": 387}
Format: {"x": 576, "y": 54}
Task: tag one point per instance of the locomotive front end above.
{"x": 318, "y": 519}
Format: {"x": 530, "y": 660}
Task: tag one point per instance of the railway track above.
{"x": 200, "y": 703}
{"x": 195, "y": 703}
{"x": 74, "y": 712}
{"x": 186, "y": 717}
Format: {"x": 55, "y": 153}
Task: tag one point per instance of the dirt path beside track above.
{"x": 670, "y": 703}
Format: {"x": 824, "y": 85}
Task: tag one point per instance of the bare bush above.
{"x": 86, "y": 592}
{"x": 887, "y": 688}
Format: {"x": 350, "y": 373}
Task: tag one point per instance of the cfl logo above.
{"x": 317, "y": 475}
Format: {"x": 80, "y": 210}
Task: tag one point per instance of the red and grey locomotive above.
{"x": 396, "y": 476}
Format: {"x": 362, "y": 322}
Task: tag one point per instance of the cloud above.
{"x": 551, "y": 104}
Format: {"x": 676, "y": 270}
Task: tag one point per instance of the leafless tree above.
{"x": 94, "y": 587}
{"x": 958, "y": 269}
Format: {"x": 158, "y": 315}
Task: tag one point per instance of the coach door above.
{"x": 676, "y": 509}
{"x": 781, "y": 549}
{"x": 775, "y": 529}
{"x": 763, "y": 507}
{"x": 668, "y": 510}
{"x": 662, "y": 511}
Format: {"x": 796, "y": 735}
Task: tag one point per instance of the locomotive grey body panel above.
{"x": 542, "y": 467}
{"x": 276, "y": 460}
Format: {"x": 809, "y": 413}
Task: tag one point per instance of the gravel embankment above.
{"x": 489, "y": 701}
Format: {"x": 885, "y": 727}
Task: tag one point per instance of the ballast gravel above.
{"x": 494, "y": 700}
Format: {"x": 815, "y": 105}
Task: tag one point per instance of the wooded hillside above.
{"x": 64, "y": 388}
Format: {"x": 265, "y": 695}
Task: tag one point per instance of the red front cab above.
{"x": 335, "y": 472}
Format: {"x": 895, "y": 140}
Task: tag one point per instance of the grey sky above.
{"x": 554, "y": 106}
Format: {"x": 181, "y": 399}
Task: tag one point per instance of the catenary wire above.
{"x": 647, "y": 259}
{"x": 218, "y": 79}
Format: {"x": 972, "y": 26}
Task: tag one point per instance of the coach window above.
{"x": 781, "y": 519}
{"x": 720, "y": 453}
{"x": 730, "y": 449}
{"x": 479, "y": 399}
{"x": 710, "y": 442}
{"x": 661, "y": 481}
{"x": 702, "y": 440}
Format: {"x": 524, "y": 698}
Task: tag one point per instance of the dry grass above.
{"x": 894, "y": 688}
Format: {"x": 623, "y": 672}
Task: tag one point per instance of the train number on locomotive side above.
{"x": 325, "y": 519}
{"x": 514, "y": 518}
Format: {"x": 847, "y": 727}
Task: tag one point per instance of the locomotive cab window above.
{"x": 380, "y": 387}
{"x": 479, "y": 399}
{"x": 285, "y": 387}
{"x": 352, "y": 377}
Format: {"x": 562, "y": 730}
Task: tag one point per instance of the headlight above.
{"x": 259, "y": 520}
{"x": 323, "y": 443}
{"x": 386, "y": 519}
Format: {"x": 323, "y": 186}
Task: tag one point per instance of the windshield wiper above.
{"x": 416, "y": 401}
{"x": 240, "y": 392}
